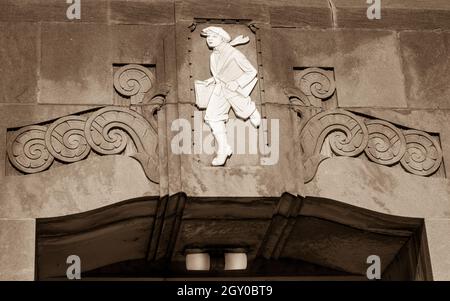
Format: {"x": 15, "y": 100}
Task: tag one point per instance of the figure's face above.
{"x": 213, "y": 40}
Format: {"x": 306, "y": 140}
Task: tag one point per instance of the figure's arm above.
{"x": 249, "y": 71}
{"x": 210, "y": 81}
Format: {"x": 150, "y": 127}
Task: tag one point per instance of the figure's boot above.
{"x": 255, "y": 118}
{"x": 223, "y": 150}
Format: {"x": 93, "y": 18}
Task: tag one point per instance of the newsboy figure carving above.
{"x": 233, "y": 79}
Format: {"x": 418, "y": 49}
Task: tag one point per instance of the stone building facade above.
{"x": 104, "y": 154}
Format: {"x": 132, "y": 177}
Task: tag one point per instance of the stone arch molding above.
{"x": 350, "y": 135}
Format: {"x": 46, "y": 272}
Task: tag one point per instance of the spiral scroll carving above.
{"x": 423, "y": 155}
{"x": 133, "y": 81}
{"x": 347, "y": 134}
{"x": 27, "y": 150}
{"x": 65, "y": 139}
{"x": 69, "y": 139}
{"x": 317, "y": 82}
{"x": 383, "y": 143}
{"x": 109, "y": 130}
{"x": 386, "y": 144}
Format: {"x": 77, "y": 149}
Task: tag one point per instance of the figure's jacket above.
{"x": 231, "y": 65}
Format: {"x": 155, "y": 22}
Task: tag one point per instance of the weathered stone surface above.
{"x": 367, "y": 65}
{"x": 207, "y": 9}
{"x": 294, "y": 49}
{"x": 437, "y": 231}
{"x": 79, "y": 187}
{"x": 395, "y": 14}
{"x": 14, "y": 116}
{"x": 426, "y": 66}
{"x": 19, "y": 62}
{"x": 385, "y": 190}
{"x": 92, "y": 11}
{"x": 2, "y": 153}
{"x": 300, "y": 13}
{"x": 141, "y": 12}
{"x": 17, "y": 249}
{"x": 399, "y": 78}
{"x": 148, "y": 45}
{"x": 79, "y": 69}
{"x": 137, "y": 44}
{"x": 368, "y": 70}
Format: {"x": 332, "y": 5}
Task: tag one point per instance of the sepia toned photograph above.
{"x": 207, "y": 141}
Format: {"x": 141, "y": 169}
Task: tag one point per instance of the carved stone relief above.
{"x": 337, "y": 132}
{"x": 134, "y": 81}
{"x": 383, "y": 143}
{"x": 313, "y": 85}
{"x": 106, "y": 131}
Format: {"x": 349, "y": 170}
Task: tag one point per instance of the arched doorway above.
{"x": 289, "y": 237}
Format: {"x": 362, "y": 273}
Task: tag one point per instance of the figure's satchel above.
{"x": 231, "y": 72}
{"x": 202, "y": 93}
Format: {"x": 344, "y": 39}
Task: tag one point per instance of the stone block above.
{"x": 437, "y": 231}
{"x": 293, "y": 48}
{"x": 141, "y": 12}
{"x": 137, "y": 44}
{"x": 395, "y": 14}
{"x": 3, "y": 156}
{"x": 426, "y": 65}
{"x": 17, "y": 249}
{"x": 303, "y": 13}
{"x": 15, "y": 116}
{"x": 255, "y": 11}
{"x": 366, "y": 64}
{"x": 19, "y": 62}
{"x": 76, "y": 65}
{"x": 78, "y": 187}
{"x": 368, "y": 70}
{"x": 385, "y": 189}
{"x": 92, "y": 11}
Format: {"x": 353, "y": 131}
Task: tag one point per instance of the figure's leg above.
{"x": 255, "y": 118}
{"x": 224, "y": 150}
{"x": 216, "y": 116}
{"x": 245, "y": 108}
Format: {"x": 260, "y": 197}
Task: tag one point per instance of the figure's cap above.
{"x": 217, "y": 30}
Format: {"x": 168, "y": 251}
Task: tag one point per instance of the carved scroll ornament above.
{"x": 312, "y": 87}
{"x": 134, "y": 81}
{"x": 69, "y": 139}
{"x": 349, "y": 135}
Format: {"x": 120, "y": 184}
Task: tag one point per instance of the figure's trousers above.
{"x": 219, "y": 106}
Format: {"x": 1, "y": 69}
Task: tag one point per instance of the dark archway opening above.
{"x": 284, "y": 238}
